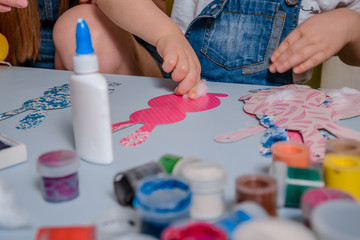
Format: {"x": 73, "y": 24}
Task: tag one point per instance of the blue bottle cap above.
{"x": 83, "y": 38}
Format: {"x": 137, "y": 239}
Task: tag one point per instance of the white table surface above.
{"x": 194, "y": 136}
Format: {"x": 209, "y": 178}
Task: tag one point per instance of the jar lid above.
{"x": 313, "y": 197}
{"x": 205, "y": 177}
{"x": 59, "y": 163}
{"x": 338, "y": 219}
{"x": 294, "y": 154}
{"x": 182, "y": 163}
{"x": 273, "y": 229}
{"x": 256, "y": 184}
{"x": 116, "y": 222}
{"x": 161, "y": 197}
{"x": 344, "y": 146}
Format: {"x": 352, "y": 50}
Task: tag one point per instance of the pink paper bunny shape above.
{"x": 300, "y": 110}
{"x": 164, "y": 109}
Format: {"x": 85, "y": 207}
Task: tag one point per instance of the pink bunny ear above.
{"x": 120, "y": 125}
{"x": 137, "y": 137}
{"x": 240, "y": 134}
{"x": 247, "y": 96}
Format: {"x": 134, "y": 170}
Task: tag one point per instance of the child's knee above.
{"x": 65, "y": 30}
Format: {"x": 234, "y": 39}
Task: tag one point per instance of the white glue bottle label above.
{"x": 90, "y": 102}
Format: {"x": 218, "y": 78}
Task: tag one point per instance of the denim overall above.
{"x": 234, "y": 39}
{"x": 48, "y": 14}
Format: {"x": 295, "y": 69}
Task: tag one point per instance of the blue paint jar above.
{"x": 161, "y": 200}
{"x": 125, "y": 182}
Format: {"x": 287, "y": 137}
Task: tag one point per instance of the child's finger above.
{"x": 170, "y": 61}
{"x": 193, "y": 92}
{"x": 189, "y": 82}
{"x": 181, "y": 69}
{"x": 14, "y": 3}
{"x": 300, "y": 52}
{"x": 4, "y": 8}
{"x": 310, "y": 63}
{"x": 285, "y": 46}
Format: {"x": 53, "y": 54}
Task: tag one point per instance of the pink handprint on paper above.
{"x": 164, "y": 109}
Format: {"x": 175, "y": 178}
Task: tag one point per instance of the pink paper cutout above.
{"x": 349, "y": 104}
{"x": 164, "y": 109}
{"x": 295, "y": 136}
{"x": 240, "y": 134}
{"x": 301, "y": 112}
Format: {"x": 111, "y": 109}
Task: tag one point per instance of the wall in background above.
{"x": 336, "y": 74}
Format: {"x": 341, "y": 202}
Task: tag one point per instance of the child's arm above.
{"x": 6, "y": 5}
{"x": 317, "y": 39}
{"x": 144, "y": 19}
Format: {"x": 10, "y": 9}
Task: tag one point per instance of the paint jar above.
{"x": 116, "y": 222}
{"x": 194, "y": 231}
{"x": 161, "y": 200}
{"x": 342, "y": 172}
{"x": 293, "y": 182}
{"x": 125, "y": 183}
{"x": 58, "y": 170}
{"x": 316, "y": 196}
{"x": 259, "y": 188}
{"x": 175, "y": 164}
{"x": 343, "y": 146}
{"x": 241, "y": 213}
{"x": 337, "y": 220}
{"x": 207, "y": 182}
{"x": 273, "y": 229}
{"x": 293, "y": 154}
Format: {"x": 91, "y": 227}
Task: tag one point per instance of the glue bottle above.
{"x": 90, "y": 102}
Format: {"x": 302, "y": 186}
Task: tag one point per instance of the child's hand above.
{"x": 181, "y": 60}
{"x": 5, "y": 5}
{"x": 315, "y": 40}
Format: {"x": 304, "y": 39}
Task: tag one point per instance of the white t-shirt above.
{"x": 184, "y": 11}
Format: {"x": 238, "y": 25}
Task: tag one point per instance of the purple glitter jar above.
{"x": 59, "y": 175}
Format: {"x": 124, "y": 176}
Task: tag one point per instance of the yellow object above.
{"x": 169, "y": 4}
{"x": 342, "y": 171}
{"x": 4, "y": 47}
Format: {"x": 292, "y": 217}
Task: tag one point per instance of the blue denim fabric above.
{"x": 234, "y": 39}
{"x": 48, "y": 13}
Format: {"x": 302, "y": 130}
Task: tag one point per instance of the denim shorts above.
{"x": 234, "y": 39}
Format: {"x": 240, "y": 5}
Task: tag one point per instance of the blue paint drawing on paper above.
{"x": 272, "y": 134}
{"x": 54, "y": 98}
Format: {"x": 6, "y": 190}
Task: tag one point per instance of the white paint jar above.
{"x": 207, "y": 182}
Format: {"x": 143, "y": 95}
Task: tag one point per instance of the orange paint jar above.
{"x": 293, "y": 154}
